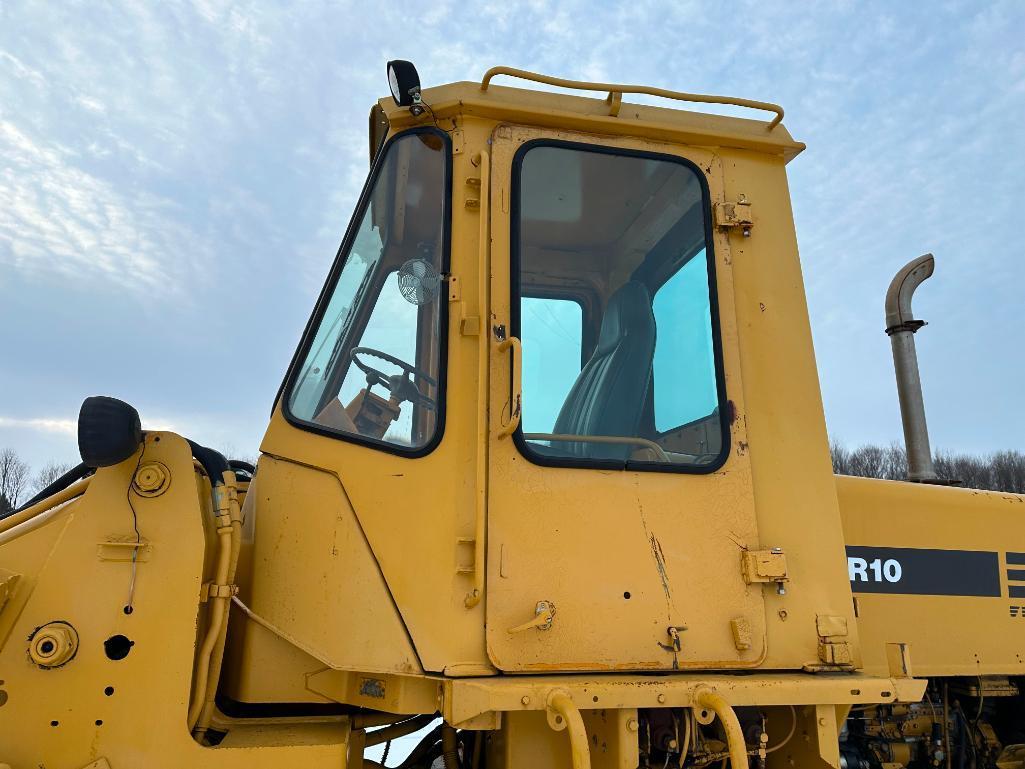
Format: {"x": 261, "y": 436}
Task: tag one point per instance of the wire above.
{"x": 129, "y": 608}
{"x": 793, "y": 728}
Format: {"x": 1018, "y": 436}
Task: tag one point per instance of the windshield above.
{"x": 373, "y": 367}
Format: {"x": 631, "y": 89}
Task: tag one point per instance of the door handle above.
{"x": 516, "y": 394}
{"x": 544, "y": 615}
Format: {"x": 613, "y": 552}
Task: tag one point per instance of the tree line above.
{"x": 999, "y": 471}
{"x": 18, "y": 482}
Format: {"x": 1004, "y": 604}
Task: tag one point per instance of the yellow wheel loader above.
{"x": 547, "y": 484}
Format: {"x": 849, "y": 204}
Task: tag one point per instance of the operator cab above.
{"x": 616, "y": 289}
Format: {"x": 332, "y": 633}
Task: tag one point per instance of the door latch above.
{"x": 544, "y": 614}
{"x": 675, "y": 642}
{"x": 765, "y": 566}
{"x": 738, "y": 214}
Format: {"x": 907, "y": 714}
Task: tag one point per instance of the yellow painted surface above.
{"x": 948, "y": 635}
{"x": 64, "y": 718}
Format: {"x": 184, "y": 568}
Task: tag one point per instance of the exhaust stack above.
{"x": 901, "y": 327}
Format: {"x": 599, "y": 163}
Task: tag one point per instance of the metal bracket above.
{"x": 762, "y": 566}
{"x": 212, "y": 590}
{"x": 729, "y": 215}
{"x": 121, "y": 548}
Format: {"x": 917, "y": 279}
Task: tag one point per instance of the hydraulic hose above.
{"x": 212, "y": 461}
{"x": 449, "y": 747}
{"x": 580, "y": 751}
{"x": 706, "y": 698}
{"x": 221, "y": 602}
{"x": 401, "y": 729}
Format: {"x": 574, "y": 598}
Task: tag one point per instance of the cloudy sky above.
{"x": 175, "y": 177}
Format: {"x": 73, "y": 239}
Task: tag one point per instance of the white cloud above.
{"x": 56, "y": 218}
{"x": 41, "y": 424}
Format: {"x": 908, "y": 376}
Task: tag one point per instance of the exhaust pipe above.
{"x": 901, "y": 327}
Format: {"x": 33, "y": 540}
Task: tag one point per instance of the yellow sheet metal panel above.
{"x": 937, "y": 568}
{"x": 787, "y": 443}
{"x": 623, "y": 555}
{"x": 315, "y": 577}
{"x": 129, "y": 711}
{"x": 418, "y": 515}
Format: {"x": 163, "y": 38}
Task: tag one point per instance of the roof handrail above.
{"x": 615, "y": 91}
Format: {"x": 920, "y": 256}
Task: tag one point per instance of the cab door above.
{"x": 620, "y": 499}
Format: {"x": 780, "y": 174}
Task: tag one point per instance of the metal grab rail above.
{"x": 620, "y": 439}
{"x": 616, "y": 91}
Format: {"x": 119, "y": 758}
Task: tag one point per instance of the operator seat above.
{"x": 609, "y": 393}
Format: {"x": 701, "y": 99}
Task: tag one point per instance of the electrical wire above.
{"x": 129, "y": 607}
{"x": 793, "y": 728}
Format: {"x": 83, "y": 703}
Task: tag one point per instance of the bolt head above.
{"x": 661, "y": 698}
{"x": 53, "y": 645}
{"x": 632, "y": 725}
{"x": 152, "y": 479}
{"x": 525, "y": 700}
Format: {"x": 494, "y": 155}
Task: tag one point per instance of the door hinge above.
{"x": 735, "y": 214}
{"x": 765, "y": 566}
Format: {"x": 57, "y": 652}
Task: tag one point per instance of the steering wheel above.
{"x": 399, "y": 385}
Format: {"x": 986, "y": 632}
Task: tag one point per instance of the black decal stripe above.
{"x": 1016, "y": 559}
{"x": 1016, "y": 591}
{"x": 927, "y": 572}
{"x": 1016, "y": 575}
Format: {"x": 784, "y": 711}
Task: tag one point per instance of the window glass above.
{"x": 551, "y": 360}
{"x": 629, "y": 231}
{"x": 373, "y": 368}
{"x": 684, "y": 367}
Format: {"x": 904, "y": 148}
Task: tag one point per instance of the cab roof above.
{"x": 529, "y": 106}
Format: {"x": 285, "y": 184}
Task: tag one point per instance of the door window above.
{"x": 629, "y": 230}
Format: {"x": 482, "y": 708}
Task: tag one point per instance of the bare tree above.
{"x": 1000, "y": 471}
{"x": 51, "y": 471}
{"x": 13, "y": 479}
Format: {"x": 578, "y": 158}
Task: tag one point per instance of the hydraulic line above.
{"x": 400, "y": 729}
{"x": 449, "y": 747}
{"x": 734, "y": 734}
{"x": 39, "y": 514}
{"x": 580, "y": 751}
{"x": 229, "y": 534}
{"x": 27, "y": 513}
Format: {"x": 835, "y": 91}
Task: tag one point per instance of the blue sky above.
{"x": 175, "y": 178}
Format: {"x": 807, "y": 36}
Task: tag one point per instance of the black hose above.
{"x": 76, "y": 473}
{"x": 424, "y": 749}
{"x": 212, "y": 461}
{"x": 246, "y": 467}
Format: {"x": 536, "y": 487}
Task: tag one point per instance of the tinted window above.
{"x": 628, "y": 230}
{"x": 551, "y": 359}
{"x": 684, "y": 366}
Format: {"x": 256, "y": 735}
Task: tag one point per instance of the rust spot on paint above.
{"x": 731, "y": 411}
{"x": 371, "y": 687}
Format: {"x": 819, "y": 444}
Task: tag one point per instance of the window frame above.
{"x": 713, "y": 306}
{"x": 341, "y": 256}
